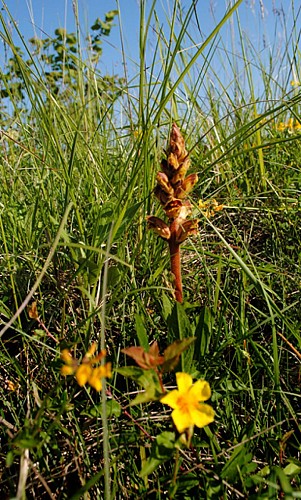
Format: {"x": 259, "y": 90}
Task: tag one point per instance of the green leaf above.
{"x": 186, "y": 482}
{"x": 9, "y": 459}
{"x": 203, "y": 333}
{"x": 173, "y": 352}
{"x": 162, "y": 450}
{"x": 112, "y": 406}
{"x": 292, "y": 469}
{"x": 114, "y": 275}
{"x": 111, "y": 14}
{"x": 148, "y": 379}
{"x": 179, "y": 327}
{"x": 238, "y": 459}
{"x": 152, "y": 393}
{"x": 141, "y": 333}
{"x": 167, "y": 305}
{"x": 284, "y": 481}
{"x": 133, "y": 372}
{"x": 178, "y": 322}
{"x": 143, "y": 377}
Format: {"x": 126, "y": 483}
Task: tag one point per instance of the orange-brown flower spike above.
{"x": 172, "y": 190}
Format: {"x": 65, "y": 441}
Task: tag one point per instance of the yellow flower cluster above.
{"x": 86, "y": 371}
{"x": 209, "y": 207}
{"x": 291, "y": 126}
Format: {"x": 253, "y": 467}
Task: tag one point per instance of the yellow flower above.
{"x": 281, "y": 126}
{"x": 71, "y": 364}
{"x": 97, "y": 374}
{"x": 209, "y": 207}
{"x": 187, "y": 403}
{"x": 11, "y": 386}
{"x": 85, "y": 372}
{"x": 295, "y": 83}
{"x": 298, "y": 125}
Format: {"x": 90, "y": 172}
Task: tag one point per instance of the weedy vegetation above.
{"x": 116, "y": 349}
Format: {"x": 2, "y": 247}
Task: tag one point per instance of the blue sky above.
{"x": 262, "y": 21}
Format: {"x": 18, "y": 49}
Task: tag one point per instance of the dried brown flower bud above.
{"x": 177, "y": 143}
{"x": 173, "y": 208}
{"x": 181, "y": 172}
{"x": 187, "y": 229}
{"x": 158, "y": 226}
{"x": 33, "y": 311}
{"x": 186, "y": 186}
{"x": 164, "y": 183}
{"x": 162, "y": 196}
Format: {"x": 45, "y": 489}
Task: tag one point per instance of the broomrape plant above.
{"x": 172, "y": 190}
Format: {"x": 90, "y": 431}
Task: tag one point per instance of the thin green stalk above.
{"x": 106, "y": 440}
{"x": 9, "y": 269}
{"x": 173, "y": 488}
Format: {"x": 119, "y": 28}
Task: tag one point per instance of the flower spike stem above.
{"x": 175, "y": 264}
{"x": 172, "y": 190}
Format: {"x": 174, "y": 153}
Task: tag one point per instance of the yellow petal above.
{"x": 91, "y": 350}
{"x": 95, "y": 380}
{"x": 83, "y": 373}
{"x": 108, "y": 370}
{"x": 67, "y": 370}
{"x": 202, "y": 416}
{"x": 200, "y": 390}
{"x": 184, "y": 381}
{"x": 171, "y": 399}
{"x": 66, "y": 356}
{"x": 182, "y": 420}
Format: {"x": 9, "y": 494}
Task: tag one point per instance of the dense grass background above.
{"x": 80, "y": 153}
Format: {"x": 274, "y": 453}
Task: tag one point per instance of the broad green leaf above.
{"x": 173, "y": 352}
{"x": 180, "y": 328}
{"x": 178, "y": 323}
{"x": 238, "y": 459}
{"x": 113, "y": 409}
{"x": 203, "y": 333}
{"x": 284, "y": 481}
{"x": 162, "y": 450}
{"x": 148, "y": 379}
{"x": 166, "y": 306}
{"x": 153, "y": 392}
{"x": 292, "y": 469}
{"x": 141, "y": 332}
